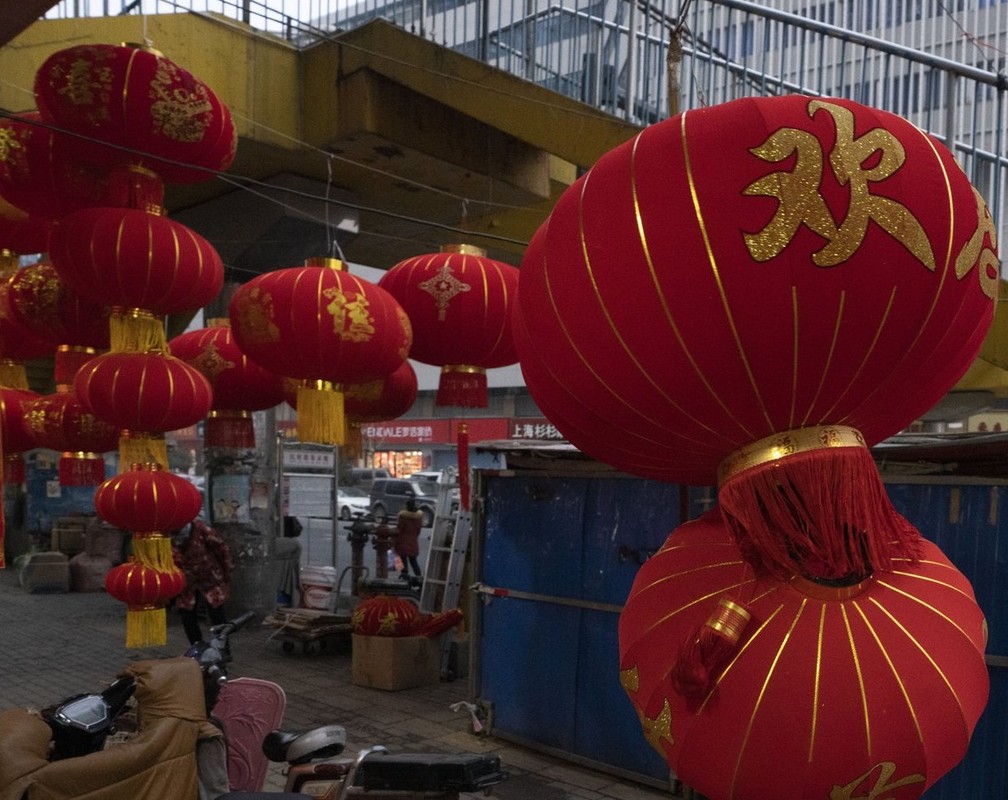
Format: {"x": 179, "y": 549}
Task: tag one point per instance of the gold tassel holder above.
{"x": 135, "y": 330}
{"x": 142, "y": 448}
{"x": 702, "y": 655}
{"x": 320, "y": 416}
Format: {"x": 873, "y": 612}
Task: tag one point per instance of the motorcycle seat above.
{"x": 300, "y": 747}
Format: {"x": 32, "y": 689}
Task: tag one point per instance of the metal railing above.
{"x": 933, "y": 61}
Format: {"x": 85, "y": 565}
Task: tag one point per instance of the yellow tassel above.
{"x": 135, "y": 330}
{"x": 140, "y": 448}
{"x": 146, "y": 627}
{"x": 13, "y": 375}
{"x": 320, "y": 414}
{"x": 154, "y": 550}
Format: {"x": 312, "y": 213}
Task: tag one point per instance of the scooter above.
{"x": 61, "y": 752}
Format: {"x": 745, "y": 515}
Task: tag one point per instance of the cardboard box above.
{"x": 395, "y": 662}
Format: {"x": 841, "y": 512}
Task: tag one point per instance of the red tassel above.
{"x": 462, "y": 386}
{"x": 818, "y": 512}
{"x": 703, "y": 655}
{"x": 233, "y": 429}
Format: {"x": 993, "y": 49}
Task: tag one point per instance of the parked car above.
{"x": 439, "y": 476}
{"x": 364, "y": 477}
{"x": 352, "y": 502}
{"x": 389, "y": 496}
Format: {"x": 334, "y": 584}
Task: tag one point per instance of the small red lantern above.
{"x": 133, "y": 97}
{"x": 459, "y": 304}
{"x": 239, "y": 384}
{"x": 319, "y": 324}
{"x": 18, "y": 344}
{"x": 146, "y": 591}
{"x": 59, "y": 422}
{"x": 145, "y": 395}
{"x": 384, "y": 615}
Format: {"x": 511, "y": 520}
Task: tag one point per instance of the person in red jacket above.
{"x": 407, "y": 541}
{"x": 205, "y": 559}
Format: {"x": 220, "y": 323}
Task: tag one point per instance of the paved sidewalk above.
{"x": 56, "y": 645}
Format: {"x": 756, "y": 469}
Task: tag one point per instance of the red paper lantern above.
{"x": 135, "y": 98}
{"x": 39, "y": 173}
{"x": 320, "y": 324}
{"x": 135, "y": 258}
{"x": 14, "y": 408}
{"x": 144, "y": 392}
{"x": 459, "y": 304}
{"x": 750, "y": 268}
{"x": 384, "y": 398}
{"x": 875, "y": 687}
{"x": 41, "y": 301}
{"x": 147, "y": 498}
{"x": 384, "y": 615}
{"x": 239, "y": 384}
{"x": 18, "y": 344}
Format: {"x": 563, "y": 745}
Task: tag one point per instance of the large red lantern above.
{"x": 239, "y": 384}
{"x": 154, "y": 112}
{"x": 384, "y": 615}
{"x": 866, "y": 690}
{"x": 459, "y": 304}
{"x": 696, "y": 289}
{"x": 325, "y": 327}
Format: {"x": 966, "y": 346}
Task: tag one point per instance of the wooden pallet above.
{"x": 306, "y": 626}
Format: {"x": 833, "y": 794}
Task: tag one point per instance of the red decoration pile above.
{"x": 385, "y": 615}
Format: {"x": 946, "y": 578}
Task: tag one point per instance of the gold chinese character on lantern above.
{"x": 880, "y": 789}
{"x": 351, "y": 315}
{"x": 802, "y": 204}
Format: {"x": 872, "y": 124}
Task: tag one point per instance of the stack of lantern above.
{"x": 459, "y": 304}
{"x": 325, "y": 328}
{"x": 143, "y": 120}
{"x": 240, "y": 386}
{"x": 753, "y": 294}
{"x": 385, "y": 615}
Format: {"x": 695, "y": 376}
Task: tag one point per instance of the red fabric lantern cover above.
{"x": 322, "y": 324}
{"x": 148, "y": 392}
{"x": 17, "y": 345}
{"x": 146, "y": 498}
{"x": 135, "y": 258}
{"x": 39, "y": 174}
{"x": 458, "y": 302}
{"x": 41, "y": 301}
{"x": 867, "y": 690}
{"x": 135, "y": 98}
{"x": 755, "y": 267}
{"x": 384, "y": 615}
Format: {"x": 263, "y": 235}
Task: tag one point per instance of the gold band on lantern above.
{"x": 229, "y": 413}
{"x": 325, "y": 261}
{"x": 464, "y": 369}
{"x": 788, "y": 443}
{"x": 464, "y": 249}
{"x": 729, "y": 619}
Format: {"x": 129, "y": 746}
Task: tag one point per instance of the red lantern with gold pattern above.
{"x": 323, "y": 326}
{"x": 799, "y": 284}
{"x": 39, "y": 174}
{"x": 384, "y": 615}
{"x": 14, "y": 433}
{"x": 385, "y": 398}
{"x": 134, "y": 98}
{"x": 40, "y": 299}
{"x": 239, "y": 384}
{"x": 146, "y": 591}
{"x": 459, "y": 304}
{"x": 872, "y": 689}
{"x": 60, "y": 422}
{"x": 18, "y": 343}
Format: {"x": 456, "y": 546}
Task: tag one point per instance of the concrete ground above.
{"x": 56, "y": 645}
